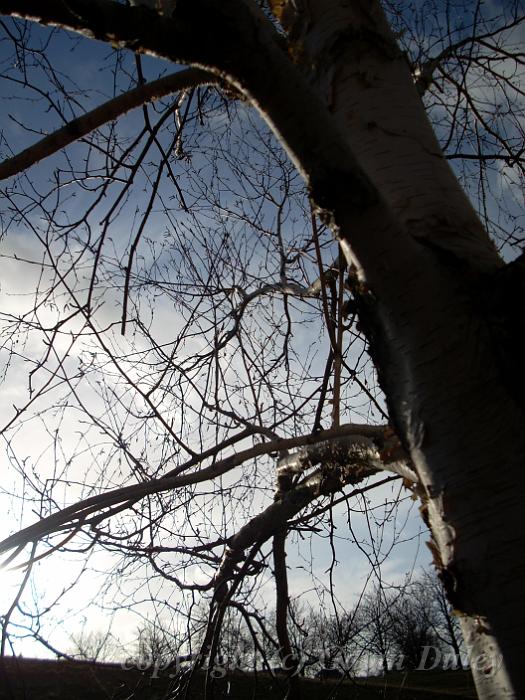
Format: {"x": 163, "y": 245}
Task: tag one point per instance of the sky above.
{"x": 227, "y": 196}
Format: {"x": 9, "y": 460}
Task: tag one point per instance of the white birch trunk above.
{"x": 430, "y": 339}
{"x": 366, "y": 83}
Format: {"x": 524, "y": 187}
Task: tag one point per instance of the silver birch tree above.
{"x": 441, "y": 309}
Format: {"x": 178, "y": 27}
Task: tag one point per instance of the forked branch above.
{"x": 346, "y": 455}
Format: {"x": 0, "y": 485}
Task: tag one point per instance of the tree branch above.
{"x": 220, "y": 38}
{"x": 377, "y": 441}
{"x": 282, "y": 601}
{"x": 428, "y": 68}
{"x": 77, "y": 128}
{"x": 138, "y": 28}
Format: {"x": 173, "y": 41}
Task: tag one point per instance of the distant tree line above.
{"x": 391, "y": 628}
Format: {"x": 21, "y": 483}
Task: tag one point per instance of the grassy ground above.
{"x": 31, "y": 679}
{"x": 428, "y": 684}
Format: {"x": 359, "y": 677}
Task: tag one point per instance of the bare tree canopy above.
{"x": 261, "y": 260}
